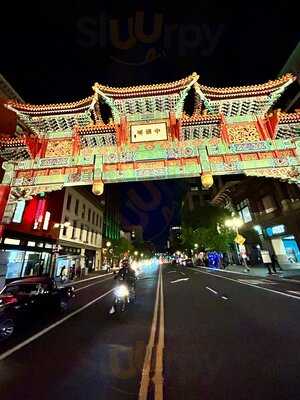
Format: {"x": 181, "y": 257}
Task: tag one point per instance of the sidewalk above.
{"x": 87, "y": 277}
{"x": 262, "y": 271}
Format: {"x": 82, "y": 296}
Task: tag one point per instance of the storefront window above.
{"x": 25, "y": 263}
{"x": 30, "y": 263}
{"x": 69, "y": 202}
{"x": 244, "y": 211}
{"x": 269, "y": 204}
{"x": 15, "y": 260}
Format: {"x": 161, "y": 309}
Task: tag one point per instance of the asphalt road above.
{"x": 193, "y": 334}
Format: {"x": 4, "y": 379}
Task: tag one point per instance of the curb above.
{"x": 275, "y": 278}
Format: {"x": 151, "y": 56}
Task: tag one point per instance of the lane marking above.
{"x": 158, "y": 378}
{"x": 180, "y": 280}
{"x": 248, "y": 284}
{"x": 145, "y": 381}
{"x": 286, "y": 279}
{"x": 92, "y": 284}
{"x": 182, "y": 273}
{"x": 49, "y": 328}
{"x": 224, "y": 297}
{"x": 294, "y": 291}
{"x": 170, "y": 272}
{"x": 212, "y": 290}
{"x": 257, "y": 282}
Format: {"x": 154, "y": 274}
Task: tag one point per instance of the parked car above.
{"x": 188, "y": 262}
{"x": 106, "y": 267}
{"x": 29, "y": 298}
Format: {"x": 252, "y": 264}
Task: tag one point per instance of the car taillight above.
{"x": 9, "y": 299}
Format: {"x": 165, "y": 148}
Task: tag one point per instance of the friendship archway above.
{"x": 143, "y": 133}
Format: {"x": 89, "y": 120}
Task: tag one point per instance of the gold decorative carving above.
{"x": 216, "y": 159}
{"x": 59, "y": 148}
{"x": 249, "y": 157}
{"x": 232, "y": 158}
{"x": 243, "y": 133}
{"x": 56, "y": 171}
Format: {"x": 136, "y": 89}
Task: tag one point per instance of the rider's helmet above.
{"x": 125, "y": 263}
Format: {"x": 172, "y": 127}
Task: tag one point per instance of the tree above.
{"x": 205, "y": 216}
{"x": 121, "y": 247}
{"x": 146, "y": 248}
{"x": 205, "y": 227}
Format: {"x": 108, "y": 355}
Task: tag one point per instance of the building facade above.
{"x": 47, "y": 232}
{"x": 271, "y": 217}
{"x": 112, "y": 224}
{"x": 80, "y": 231}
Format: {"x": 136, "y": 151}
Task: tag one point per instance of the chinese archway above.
{"x": 149, "y": 136}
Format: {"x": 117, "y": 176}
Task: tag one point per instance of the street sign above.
{"x": 239, "y": 239}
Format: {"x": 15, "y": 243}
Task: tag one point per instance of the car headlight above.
{"x": 122, "y": 291}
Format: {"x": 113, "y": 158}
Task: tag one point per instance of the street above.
{"x": 192, "y": 334}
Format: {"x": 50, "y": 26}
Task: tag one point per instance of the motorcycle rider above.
{"x": 127, "y": 274}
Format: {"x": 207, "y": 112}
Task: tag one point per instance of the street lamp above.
{"x": 142, "y": 255}
{"x": 258, "y": 229}
{"x": 108, "y": 244}
{"x": 196, "y": 245}
{"x": 136, "y": 253}
{"x": 234, "y": 223}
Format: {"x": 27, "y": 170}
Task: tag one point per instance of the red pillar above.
{"x": 4, "y": 194}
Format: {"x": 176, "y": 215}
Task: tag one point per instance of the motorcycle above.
{"x": 123, "y": 295}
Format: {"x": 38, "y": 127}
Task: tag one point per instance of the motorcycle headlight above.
{"x": 122, "y": 291}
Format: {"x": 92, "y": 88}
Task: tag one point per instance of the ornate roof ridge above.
{"x": 287, "y": 117}
{"x": 201, "y": 117}
{"x": 96, "y": 127}
{"x": 49, "y": 107}
{"x": 11, "y": 140}
{"x": 147, "y": 88}
{"x": 256, "y": 89}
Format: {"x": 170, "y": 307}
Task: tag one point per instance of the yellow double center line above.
{"x": 158, "y": 379}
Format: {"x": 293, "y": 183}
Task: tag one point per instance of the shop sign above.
{"x": 265, "y": 255}
{"x": 275, "y": 230}
{"x": 69, "y": 250}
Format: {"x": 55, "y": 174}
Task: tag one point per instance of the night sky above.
{"x": 55, "y": 51}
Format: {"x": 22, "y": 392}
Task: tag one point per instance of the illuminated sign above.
{"x": 19, "y": 212}
{"x": 148, "y": 132}
{"x": 275, "y": 230}
{"x": 46, "y": 220}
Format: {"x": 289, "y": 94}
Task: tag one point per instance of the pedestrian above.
{"x": 206, "y": 261}
{"x": 62, "y": 273}
{"x": 36, "y": 268}
{"x": 41, "y": 268}
{"x": 245, "y": 260}
{"x": 225, "y": 260}
{"x": 72, "y": 272}
{"x": 274, "y": 263}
